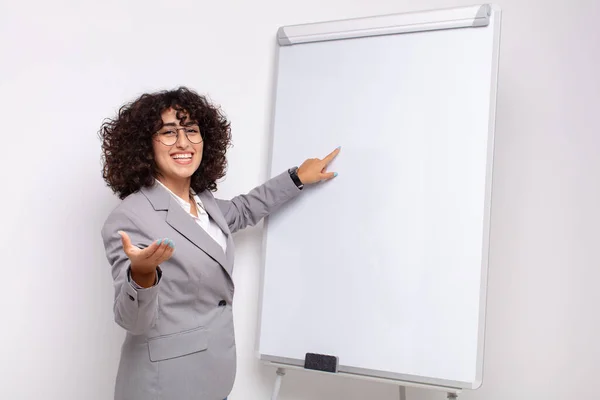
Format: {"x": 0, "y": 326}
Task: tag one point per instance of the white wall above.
{"x": 65, "y": 66}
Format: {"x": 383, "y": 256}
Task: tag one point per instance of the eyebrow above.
{"x": 174, "y": 124}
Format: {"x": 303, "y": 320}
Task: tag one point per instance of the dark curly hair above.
{"x": 127, "y": 155}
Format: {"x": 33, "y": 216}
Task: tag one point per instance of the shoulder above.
{"x": 126, "y": 212}
{"x": 206, "y": 193}
{"x": 131, "y": 204}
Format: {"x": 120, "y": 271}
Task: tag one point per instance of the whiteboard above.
{"x": 384, "y": 266}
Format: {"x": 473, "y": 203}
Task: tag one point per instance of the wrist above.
{"x": 144, "y": 279}
{"x": 302, "y": 178}
{"x": 296, "y": 177}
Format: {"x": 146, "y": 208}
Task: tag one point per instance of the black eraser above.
{"x": 321, "y": 362}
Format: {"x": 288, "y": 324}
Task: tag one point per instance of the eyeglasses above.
{"x": 170, "y": 136}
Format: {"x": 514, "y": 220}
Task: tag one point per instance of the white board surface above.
{"x": 386, "y": 265}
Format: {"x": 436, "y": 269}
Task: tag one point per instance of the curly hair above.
{"x": 127, "y": 155}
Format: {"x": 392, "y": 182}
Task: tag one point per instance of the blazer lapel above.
{"x": 211, "y": 207}
{"x": 213, "y": 210}
{"x": 183, "y": 223}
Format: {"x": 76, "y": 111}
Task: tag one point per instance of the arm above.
{"x": 134, "y": 307}
{"x": 248, "y": 209}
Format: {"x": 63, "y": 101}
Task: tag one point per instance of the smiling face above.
{"x": 177, "y": 156}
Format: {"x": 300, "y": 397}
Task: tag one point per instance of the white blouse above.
{"x": 203, "y": 219}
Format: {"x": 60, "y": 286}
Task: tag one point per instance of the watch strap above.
{"x": 294, "y": 175}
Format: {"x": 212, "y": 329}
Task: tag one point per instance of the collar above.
{"x": 186, "y": 206}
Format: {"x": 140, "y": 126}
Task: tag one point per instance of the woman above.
{"x": 169, "y": 243}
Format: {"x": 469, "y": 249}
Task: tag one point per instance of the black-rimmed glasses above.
{"x": 169, "y": 136}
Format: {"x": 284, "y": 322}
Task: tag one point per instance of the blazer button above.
{"x": 222, "y": 303}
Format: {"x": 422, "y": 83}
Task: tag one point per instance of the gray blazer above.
{"x": 180, "y": 341}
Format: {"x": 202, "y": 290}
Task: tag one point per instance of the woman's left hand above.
{"x": 314, "y": 170}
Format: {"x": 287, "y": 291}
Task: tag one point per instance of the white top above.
{"x": 203, "y": 219}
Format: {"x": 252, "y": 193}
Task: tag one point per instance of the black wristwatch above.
{"x": 294, "y": 175}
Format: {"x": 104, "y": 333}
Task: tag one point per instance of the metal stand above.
{"x": 402, "y": 393}
{"x": 280, "y": 373}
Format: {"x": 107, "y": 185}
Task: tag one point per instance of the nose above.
{"x": 182, "y": 140}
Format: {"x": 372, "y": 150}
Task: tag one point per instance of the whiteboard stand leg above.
{"x": 402, "y": 392}
{"x": 280, "y": 373}
{"x": 452, "y": 396}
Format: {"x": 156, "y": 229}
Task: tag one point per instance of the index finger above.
{"x": 331, "y": 156}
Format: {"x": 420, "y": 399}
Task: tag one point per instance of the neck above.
{"x": 181, "y": 187}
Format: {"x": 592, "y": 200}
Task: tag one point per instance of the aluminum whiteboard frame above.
{"x": 451, "y": 18}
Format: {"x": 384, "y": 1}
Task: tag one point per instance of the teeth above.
{"x": 182, "y": 156}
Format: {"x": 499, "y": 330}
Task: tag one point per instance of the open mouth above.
{"x": 182, "y": 158}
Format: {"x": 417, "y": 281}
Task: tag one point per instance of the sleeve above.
{"x": 134, "y": 307}
{"x": 248, "y": 209}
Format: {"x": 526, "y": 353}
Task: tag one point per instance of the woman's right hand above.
{"x": 145, "y": 261}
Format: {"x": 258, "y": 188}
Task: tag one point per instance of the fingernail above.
{"x": 171, "y": 244}
{"x": 339, "y": 147}
{"x": 159, "y": 241}
{"x": 335, "y": 174}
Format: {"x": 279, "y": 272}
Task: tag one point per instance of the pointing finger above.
{"x": 331, "y": 156}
